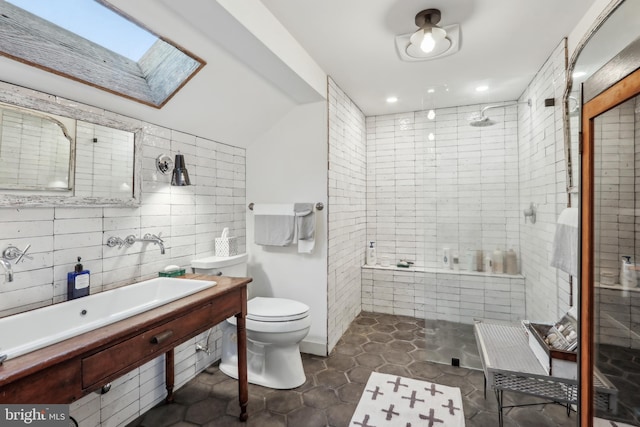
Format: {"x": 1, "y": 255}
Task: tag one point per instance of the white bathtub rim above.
{"x": 81, "y": 304}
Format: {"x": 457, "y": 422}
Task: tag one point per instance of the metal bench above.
{"x": 509, "y": 364}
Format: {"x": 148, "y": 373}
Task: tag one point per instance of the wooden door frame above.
{"x": 621, "y": 91}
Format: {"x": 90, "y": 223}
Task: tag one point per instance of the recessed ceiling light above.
{"x": 392, "y": 99}
{"x": 431, "y": 115}
{"x": 432, "y": 90}
{"x": 431, "y": 136}
{"x": 482, "y": 88}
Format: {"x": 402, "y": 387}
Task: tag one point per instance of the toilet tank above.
{"x": 234, "y": 266}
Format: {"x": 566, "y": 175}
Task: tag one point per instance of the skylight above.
{"x": 95, "y": 22}
{"x": 88, "y": 42}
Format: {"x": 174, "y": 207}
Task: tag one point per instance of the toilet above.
{"x": 275, "y": 328}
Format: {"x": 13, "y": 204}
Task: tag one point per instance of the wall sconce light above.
{"x": 180, "y": 176}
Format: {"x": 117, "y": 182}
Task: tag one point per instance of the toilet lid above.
{"x": 275, "y": 309}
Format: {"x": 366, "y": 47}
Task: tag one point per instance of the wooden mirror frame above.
{"x": 45, "y": 103}
{"x": 610, "y": 94}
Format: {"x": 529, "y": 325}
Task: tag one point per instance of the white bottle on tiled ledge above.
{"x": 497, "y": 262}
{"x": 511, "y": 262}
{"x": 371, "y": 257}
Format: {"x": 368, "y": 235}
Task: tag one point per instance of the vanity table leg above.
{"x": 243, "y": 385}
{"x": 169, "y": 374}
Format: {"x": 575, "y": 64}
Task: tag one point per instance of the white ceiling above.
{"x": 255, "y": 76}
{"x": 227, "y": 101}
{"x": 504, "y": 43}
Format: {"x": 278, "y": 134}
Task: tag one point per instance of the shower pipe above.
{"x": 566, "y": 97}
{"x": 568, "y": 86}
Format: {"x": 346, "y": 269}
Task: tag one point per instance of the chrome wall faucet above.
{"x": 155, "y": 239}
{"x": 131, "y": 239}
{"x": 9, "y": 254}
{"x": 7, "y": 268}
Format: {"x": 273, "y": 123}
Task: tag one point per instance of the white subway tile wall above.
{"x": 543, "y": 181}
{"x": 187, "y": 219}
{"x": 617, "y": 141}
{"x": 437, "y": 294}
{"x": 435, "y": 183}
{"x": 346, "y": 211}
{"x": 615, "y": 192}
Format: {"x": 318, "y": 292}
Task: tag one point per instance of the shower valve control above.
{"x": 13, "y": 252}
{"x": 530, "y": 212}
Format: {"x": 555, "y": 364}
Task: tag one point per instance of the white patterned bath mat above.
{"x": 600, "y": 422}
{"x": 393, "y": 401}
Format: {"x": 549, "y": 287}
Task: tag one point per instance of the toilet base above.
{"x": 291, "y": 376}
{"x": 277, "y": 367}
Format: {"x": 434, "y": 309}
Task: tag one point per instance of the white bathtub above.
{"x": 31, "y": 330}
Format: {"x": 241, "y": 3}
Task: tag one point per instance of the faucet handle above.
{"x": 12, "y": 252}
{"x": 23, "y": 254}
{"x": 115, "y": 241}
{"x": 153, "y": 237}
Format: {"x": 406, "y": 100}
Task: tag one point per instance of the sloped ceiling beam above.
{"x": 248, "y": 31}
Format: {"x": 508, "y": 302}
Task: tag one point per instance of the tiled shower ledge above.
{"x": 617, "y": 288}
{"x": 446, "y": 271}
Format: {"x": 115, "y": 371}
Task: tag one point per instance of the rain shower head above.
{"x": 480, "y": 120}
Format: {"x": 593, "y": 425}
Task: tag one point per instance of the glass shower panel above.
{"x": 617, "y": 255}
{"x": 470, "y": 189}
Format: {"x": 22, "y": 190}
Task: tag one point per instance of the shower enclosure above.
{"x": 471, "y": 194}
{"x": 437, "y": 185}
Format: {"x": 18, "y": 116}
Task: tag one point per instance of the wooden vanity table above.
{"x": 68, "y": 370}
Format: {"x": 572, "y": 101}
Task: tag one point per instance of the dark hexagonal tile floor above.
{"x": 374, "y": 342}
{"x": 622, "y": 367}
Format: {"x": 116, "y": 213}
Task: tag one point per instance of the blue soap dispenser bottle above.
{"x": 78, "y": 282}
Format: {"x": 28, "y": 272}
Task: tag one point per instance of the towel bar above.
{"x": 319, "y": 206}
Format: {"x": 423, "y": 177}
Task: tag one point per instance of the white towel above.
{"x": 274, "y": 224}
{"x": 564, "y": 254}
{"x": 305, "y": 227}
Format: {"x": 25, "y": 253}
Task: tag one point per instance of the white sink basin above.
{"x": 32, "y": 330}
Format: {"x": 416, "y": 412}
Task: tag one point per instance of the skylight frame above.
{"x": 165, "y": 69}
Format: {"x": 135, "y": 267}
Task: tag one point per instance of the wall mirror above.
{"x": 57, "y": 155}
{"x": 104, "y": 161}
{"x": 604, "y": 104}
{"x": 610, "y": 248}
{"x": 35, "y": 150}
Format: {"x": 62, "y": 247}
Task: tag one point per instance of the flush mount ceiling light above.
{"x": 429, "y": 34}
{"x": 430, "y": 41}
